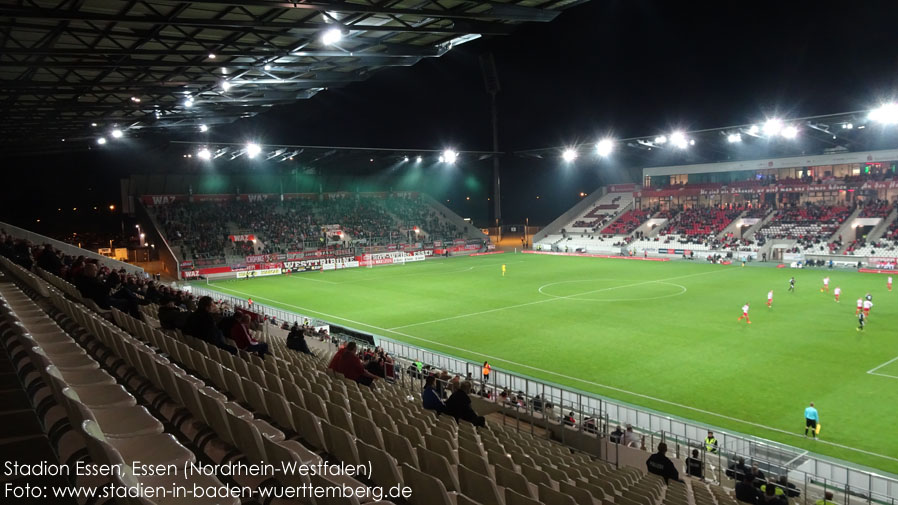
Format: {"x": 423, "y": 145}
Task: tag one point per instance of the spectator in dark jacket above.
{"x": 746, "y": 492}
{"x": 296, "y": 340}
{"x": 660, "y": 464}
{"x": 201, "y": 325}
{"x": 737, "y": 470}
{"x": 459, "y": 406}
{"x": 430, "y": 398}
{"x": 694, "y": 466}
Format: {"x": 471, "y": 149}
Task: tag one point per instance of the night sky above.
{"x": 623, "y": 68}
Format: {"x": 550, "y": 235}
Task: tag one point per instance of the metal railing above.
{"x": 851, "y": 483}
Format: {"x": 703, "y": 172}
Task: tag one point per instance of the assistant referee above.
{"x": 811, "y": 418}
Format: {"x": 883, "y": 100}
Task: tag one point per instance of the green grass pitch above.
{"x": 660, "y": 335}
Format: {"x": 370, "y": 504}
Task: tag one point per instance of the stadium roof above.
{"x": 69, "y": 68}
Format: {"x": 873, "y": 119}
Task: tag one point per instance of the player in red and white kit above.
{"x": 769, "y": 298}
{"x": 825, "y": 285}
{"x": 860, "y": 306}
{"x": 890, "y": 283}
{"x": 867, "y": 306}
{"x": 837, "y": 292}
{"x": 744, "y": 314}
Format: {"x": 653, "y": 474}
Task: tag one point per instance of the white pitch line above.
{"x": 576, "y": 379}
{"x": 304, "y": 276}
{"x": 889, "y": 362}
{"x": 438, "y": 272}
{"x": 883, "y": 375}
{"x": 545, "y": 300}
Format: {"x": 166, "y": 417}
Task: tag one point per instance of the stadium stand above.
{"x": 811, "y": 225}
{"x": 628, "y": 222}
{"x": 110, "y": 387}
{"x": 701, "y": 221}
{"x": 197, "y": 231}
{"x": 602, "y": 211}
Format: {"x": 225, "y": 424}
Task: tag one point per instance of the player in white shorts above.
{"x": 837, "y": 292}
{"x": 769, "y": 298}
{"x": 744, "y": 314}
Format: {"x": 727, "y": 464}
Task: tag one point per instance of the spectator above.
{"x": 737, "y": 470}
{"x": 617, "y": 435}
{"x": 660, "y": 464}
{"x": 171, "y": 317}
{"x": 746, "y": 492}
{"x": 631, "y": 439}
{"x": 537, "y": 403}
{"x": 694, "y": 466}
{"x": 769, "y": 496}
{"x": 201, "y": 324}
{"x": 241, "y": 336}
{"x": 756, "y": 474}
{"x": 347, "y": 362}
{"x": 788, "y": 488}
{"x": 430, "y": 398}
{"x": 569, "y": 419}
{"x": 296, "y": 340}
{"x": 459, "y": 406}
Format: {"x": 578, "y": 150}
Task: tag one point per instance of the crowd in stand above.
{"x": 628, "y": 222}
{"x": 810, "y": 224}
{"x": 201, "y": 229}
{"x": 702, "y": 221}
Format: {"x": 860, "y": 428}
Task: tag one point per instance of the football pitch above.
{"x": 663, "y": 335}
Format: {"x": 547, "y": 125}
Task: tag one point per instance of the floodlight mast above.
{"x": 491, "y": 82}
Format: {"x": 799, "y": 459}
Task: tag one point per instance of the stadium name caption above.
{"x": 139, "y": 469}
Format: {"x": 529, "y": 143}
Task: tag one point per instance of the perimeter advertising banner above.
{"x": 312, "y": 264}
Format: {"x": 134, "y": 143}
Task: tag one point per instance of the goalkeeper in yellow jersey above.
{"x": 503, "y": 269}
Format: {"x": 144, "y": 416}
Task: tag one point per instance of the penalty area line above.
{"x": 889, "y": 362}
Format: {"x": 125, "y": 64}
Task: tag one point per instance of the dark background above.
{"x": 620, "y": 68}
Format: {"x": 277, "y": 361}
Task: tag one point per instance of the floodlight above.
{"x": 204, "y": 128}
{"x": 331, "y": 36}
{"x": 449, "y": 156}
{"x": 225, "y": 85}
{"x": 101, "y": 140}
{"x": 790, "y": 132}
{"x": 188, "y": 103}
{"x": 94, "y": 125}
{"x": 773, "y": 127}
{"x": 204, "y": 154}
{"x": 604, "y": 147}
{"x": 847, "y": 126}
{"x": 267, "y": 67}
{"x": 135, "y": 99}
{"x": 754, "y": 129}
{"x": 678, "y": 139}
{"x": 253, "y": 149}
{"x": 419, "y": 159}
{"x": 569, "y": 155}
{"x": 734, "y": 138}
{"x": 117, "y": 134}
{"x": 886, "y": 114}
{"x": 211, "y": 56}
{"x": 405, "y": 159}
{"x": 661, "y": 139}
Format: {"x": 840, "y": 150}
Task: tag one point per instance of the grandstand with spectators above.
{"x": 839, "y": 207}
